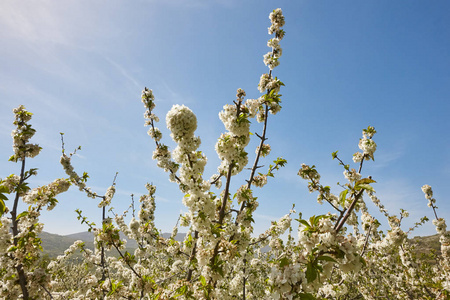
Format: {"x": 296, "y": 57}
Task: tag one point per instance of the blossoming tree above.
{"x": 340, "y": 255}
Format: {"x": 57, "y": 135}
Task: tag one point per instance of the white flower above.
{"x": 265, "y": 150}
{"x": 11, "y": 182}
{"x": 177, "y": 265}
{"x": 260, "y": 180}
{"x": 229, "y": 118}
{"x": 155, "y": 133}
{"x": 427, "y": 191}
{"x": 441, "y": 227}
{"x": 357, "y": 157}
{"x": 352, "y": 175}
{"x": 276, "y": 17}
{"x": 368, "y": 146}
{"x": 106, "y": 200}
{"x": 270, "y": 60}
{"x": 253, "y": 106}
{"x": 181, "y": 121}
{"x": 263, "y": 82}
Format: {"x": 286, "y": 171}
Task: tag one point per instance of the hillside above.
{"x": 54, "y": 244}
{"x": 427, "y": 244}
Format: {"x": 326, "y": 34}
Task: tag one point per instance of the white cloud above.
{"x": 124, "y": 72}
{"x": 383, "y": 158}
{"x": 32, "y": 23}
{"x": 265, "y": 217}
{"x": 168, "y": 95}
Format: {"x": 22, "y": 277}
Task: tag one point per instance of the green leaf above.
{"x": 311, "y": 272}
{"x": 342, "y": 196}
{"x": 314, "y": 220}
{"x": 280, "y": 161}
{"x": 334, "y": 154}
{"x": 326, "y": 258}
{"x": 2, "y": 207}
{"x": 307, "y": 296}
{"x": 23, "y": 214}
{"x": 365, "y": 181}
{"x": 189, "y": 240}
{"x": 202, "y": 280}
{"x": 3, "y": 197}
{"x": 338, "y": 253}
{"x": 362, "y": 260}
{"x": 364, "y": 186}
{"x": 4, "y": 189}
{"x": 305, "y": 223}
{"x": 202, "y": 215}
{"x": 220, "y": 271}
{"x": 284, "y": 262}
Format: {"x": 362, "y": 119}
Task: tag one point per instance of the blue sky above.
{"x": 80, "y": 66}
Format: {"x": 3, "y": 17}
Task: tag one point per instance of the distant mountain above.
{"x": 426, "y": 244}
{"x": 54, "y": 244}
{"x": 84, "y": 236}
{"x": 179, "y": 237}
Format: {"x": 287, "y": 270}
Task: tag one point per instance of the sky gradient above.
{"x": 80, "y": 67}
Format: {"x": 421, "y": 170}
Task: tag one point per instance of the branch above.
{"x": 15, "y": 230}
{"x": 367, "y": 240}
{"x": 194, "y": 250}
{"x": 348, "y": 212}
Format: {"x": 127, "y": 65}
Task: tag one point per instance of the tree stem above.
{"x": 15, "y": 231}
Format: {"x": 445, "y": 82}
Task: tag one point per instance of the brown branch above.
{"x": 15, "y": 230}
{"x": 367, "y": 240}
{"x": 348, "y": 212}
{"x": 194, "y": 250}
{"x": 255, "y": 164}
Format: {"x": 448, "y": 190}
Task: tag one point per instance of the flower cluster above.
{"x": 182, "y": 122}
{"x": 277, "y": 21}
{"x": 11, "y": 183}
{"x": 45, "y": 195}
{"x": 260, "y": 180}
{"x": 266, "y": 82}
{"x": 161, "y": 153}
{"x": 80, "y": 182}
{"x": 367, "y": 145}
{"x": 265, "y": 150}
{"x": 22, "y": 134}
{"x": 106, "y": 199}
{"x": 429, "y": 195}
{"x": 352, "y": 175}
{"x": 444, "y": 235}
